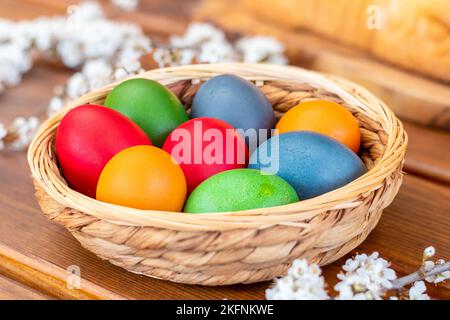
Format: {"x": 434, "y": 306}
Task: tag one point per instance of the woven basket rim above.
{"x": 45, "y": 175}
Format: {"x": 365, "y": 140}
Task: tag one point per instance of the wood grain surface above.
{"x": 12, "y": 290}
{"x": 35, "y": 253}
{"x": 413, "y": 97}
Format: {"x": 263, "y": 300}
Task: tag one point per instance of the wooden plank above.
{"x": 428, "y": 153}
{"x": 49, "y": 278}
{"x": 11, "y": 290}
{"x": 412, "y": 97}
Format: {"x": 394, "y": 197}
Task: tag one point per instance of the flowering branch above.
{"x": 420, "y": 275}
{"x": 69, "y": 39}
{"x": 19, "y": 134}
{"x": 204, "y": 43}
{"x": 430, "y": 271}
{"x": 125, "y": 5}
{"x": 364, "y": 278}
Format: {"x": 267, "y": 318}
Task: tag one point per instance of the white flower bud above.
{"x": 126, "y": 5}
{"x": 429, "y": 253}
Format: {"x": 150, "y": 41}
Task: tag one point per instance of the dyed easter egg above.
{"x": 326, "y": 117}
{"x": 310, "y": 162}
{"x": 235, "y": 101}
{"x": 240, "y": 189}
{"x": 87, "y": 138}
{"x": 151, "y": 105}
{"x": 143, "y": 177}
{"x": 204, "y": 147}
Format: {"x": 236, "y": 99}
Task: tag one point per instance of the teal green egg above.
{"x": 240, "y": 189}
{"x": 149, "y": 104}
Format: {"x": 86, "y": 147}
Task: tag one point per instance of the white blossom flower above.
{"x": 197, "y": 34}
{"x": 84, "y": 35}
{"x": 56, "y": 104}
{"x": 5, "y": 26}
{"x": 187, "y": 56}
{"x": 437, "y": 278}
{"x": 260, "y": 49}
{"x": 429, "y": 253}
{"x": 428, "y": 265}
{"x": 303, "y": 282}
{"x": 418, "y": 291}
{"x": 120, "y": 74}
{"x": 365, "y": 277}
{"x": 441, "y": 277}
{"x": 3, "y": 133}
{"x": 14, "y": 61}
{"x": 70, "y": 53}
{"x": 175, "y": 57}
{"x": 87, "y": 10}
{"x": 131, "y": 66}
{"x": 216, "y": 51}
{"x": 77, "y": 86}
{"x": 42, "y": 32}
{"x": 204, "y": 43}
{"x": 357, "y": 287}
{"x": 126, "y": 5}
{"x": 97, "y": 73}
{"x": 162, "y": 57}
{"x": 24, "y": 130}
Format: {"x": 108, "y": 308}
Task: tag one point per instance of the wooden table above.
{"x": 35, "y": 253}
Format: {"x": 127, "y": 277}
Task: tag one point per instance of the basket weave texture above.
{"x": 234, "y": 247}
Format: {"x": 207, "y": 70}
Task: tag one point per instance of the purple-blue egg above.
{"x": 312, "y": 163}
{"x": 235, "y": 101}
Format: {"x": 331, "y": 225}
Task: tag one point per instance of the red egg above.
{"x": 87, "y": 138}
{"x": 206, "y": 146}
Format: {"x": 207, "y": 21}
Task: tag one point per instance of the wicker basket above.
{"x": 237, "y": 247}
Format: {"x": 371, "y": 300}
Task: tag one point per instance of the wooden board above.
{"x": 11, "y": 290}
{"x": 35, "y": 253}
{"x": 413, "y": 97}
{"x": 428, "y": 153}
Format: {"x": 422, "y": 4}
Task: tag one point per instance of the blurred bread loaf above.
{"x": 414, "y": 34}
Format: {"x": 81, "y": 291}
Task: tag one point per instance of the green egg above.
{"x": 149, "y": 104}
{"x": 240, "y": 189}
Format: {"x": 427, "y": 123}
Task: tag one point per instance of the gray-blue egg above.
{"x": 236, "y": 101}
{"x": 312, "y": 163}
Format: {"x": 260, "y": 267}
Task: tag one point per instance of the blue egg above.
{"x": 236, "y": 101}
{"x": 312, "y": 163}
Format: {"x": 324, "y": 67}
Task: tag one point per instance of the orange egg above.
{"x": 326, "y": 117}
{"x": 143, "y": 177}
